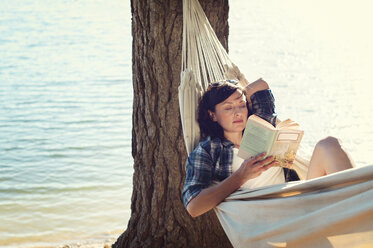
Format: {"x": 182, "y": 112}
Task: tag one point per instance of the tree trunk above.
{"x": 158, "y": 217}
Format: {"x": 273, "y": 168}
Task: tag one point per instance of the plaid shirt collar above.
{"x": 225, "y": 142}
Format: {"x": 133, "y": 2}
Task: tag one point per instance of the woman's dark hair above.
{"x": 213, "y": 96}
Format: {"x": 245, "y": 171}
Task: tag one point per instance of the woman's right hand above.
{"x": 255, "y": 166}
{"x": 211, "y": 196}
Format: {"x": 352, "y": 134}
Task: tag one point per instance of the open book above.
{"x": 281, "y": 141}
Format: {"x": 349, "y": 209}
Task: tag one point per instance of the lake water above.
{"x": 65, "y": 121}
{"x": 66, "y": 101}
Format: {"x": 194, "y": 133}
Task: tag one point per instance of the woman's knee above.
{"x": 335, "y": 157}
{"x": 329, "y": 142}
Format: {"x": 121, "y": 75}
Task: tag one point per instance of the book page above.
{"x": 288, "y": 124}
{"x": 286, "y": 145}
{"x": 256, "y": 139}
{"x": 262, "y": 122}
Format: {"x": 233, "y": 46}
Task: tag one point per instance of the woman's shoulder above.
{"x": 211, "y": 143}
{"x": 206, "y": 145}
{"x": 207, "y": 151}
{"x": 211, "y": 146}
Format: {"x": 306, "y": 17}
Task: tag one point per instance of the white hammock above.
{"x": 203, "y": 61}
{"x": 331, "y": 211}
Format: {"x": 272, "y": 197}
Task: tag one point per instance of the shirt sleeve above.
{"x": 199, "y": 171}
{"x": 263, "y": 105}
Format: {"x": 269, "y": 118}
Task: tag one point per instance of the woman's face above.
{"x": 231, "y": 114}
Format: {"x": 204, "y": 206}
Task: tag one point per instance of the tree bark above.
{"x": 158, "y": 217}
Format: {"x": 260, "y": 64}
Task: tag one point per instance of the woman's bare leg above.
{"x": 328, "y": 157}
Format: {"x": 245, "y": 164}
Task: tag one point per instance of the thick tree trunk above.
{"x": 158, "y": 217}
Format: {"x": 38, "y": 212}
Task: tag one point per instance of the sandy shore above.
{"x": 90, "y": 244}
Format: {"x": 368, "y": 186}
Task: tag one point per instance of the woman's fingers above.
{"x": 253, "y": 167}
{"x": 273, "y": 163}
{"x": 259, "y": 160}
{"x": 265, "y": 161}
{"x": 256, "y": 158}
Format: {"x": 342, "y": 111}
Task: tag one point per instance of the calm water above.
{"x": 65, "y": 120}
{"x": 66, "y": 102}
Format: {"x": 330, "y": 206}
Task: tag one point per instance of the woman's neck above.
{"x": 235, "y": 138}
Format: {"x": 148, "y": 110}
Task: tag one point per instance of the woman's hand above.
{"x": 209, "y": 197}
{"x": 255, "y": 166}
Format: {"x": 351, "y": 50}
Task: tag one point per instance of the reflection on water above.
{"x": 65, "y": 121}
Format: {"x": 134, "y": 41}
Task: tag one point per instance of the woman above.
{"x": 222, "y": 116}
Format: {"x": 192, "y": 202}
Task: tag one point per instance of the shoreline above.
{"x": 107, "y": 243}
{"x": 94, "y": 242}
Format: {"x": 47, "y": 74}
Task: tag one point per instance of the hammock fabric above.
{"x": 332, "y": 211}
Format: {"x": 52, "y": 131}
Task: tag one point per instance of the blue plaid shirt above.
{"x": 212, "y": 159}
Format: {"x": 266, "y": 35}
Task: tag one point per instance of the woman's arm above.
{"x": 209, "y": 197}
{"x": 250, "y": 89}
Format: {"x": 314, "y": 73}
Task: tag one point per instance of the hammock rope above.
{"x": 202, "y": 53}
{"x": 204, "y": 60}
